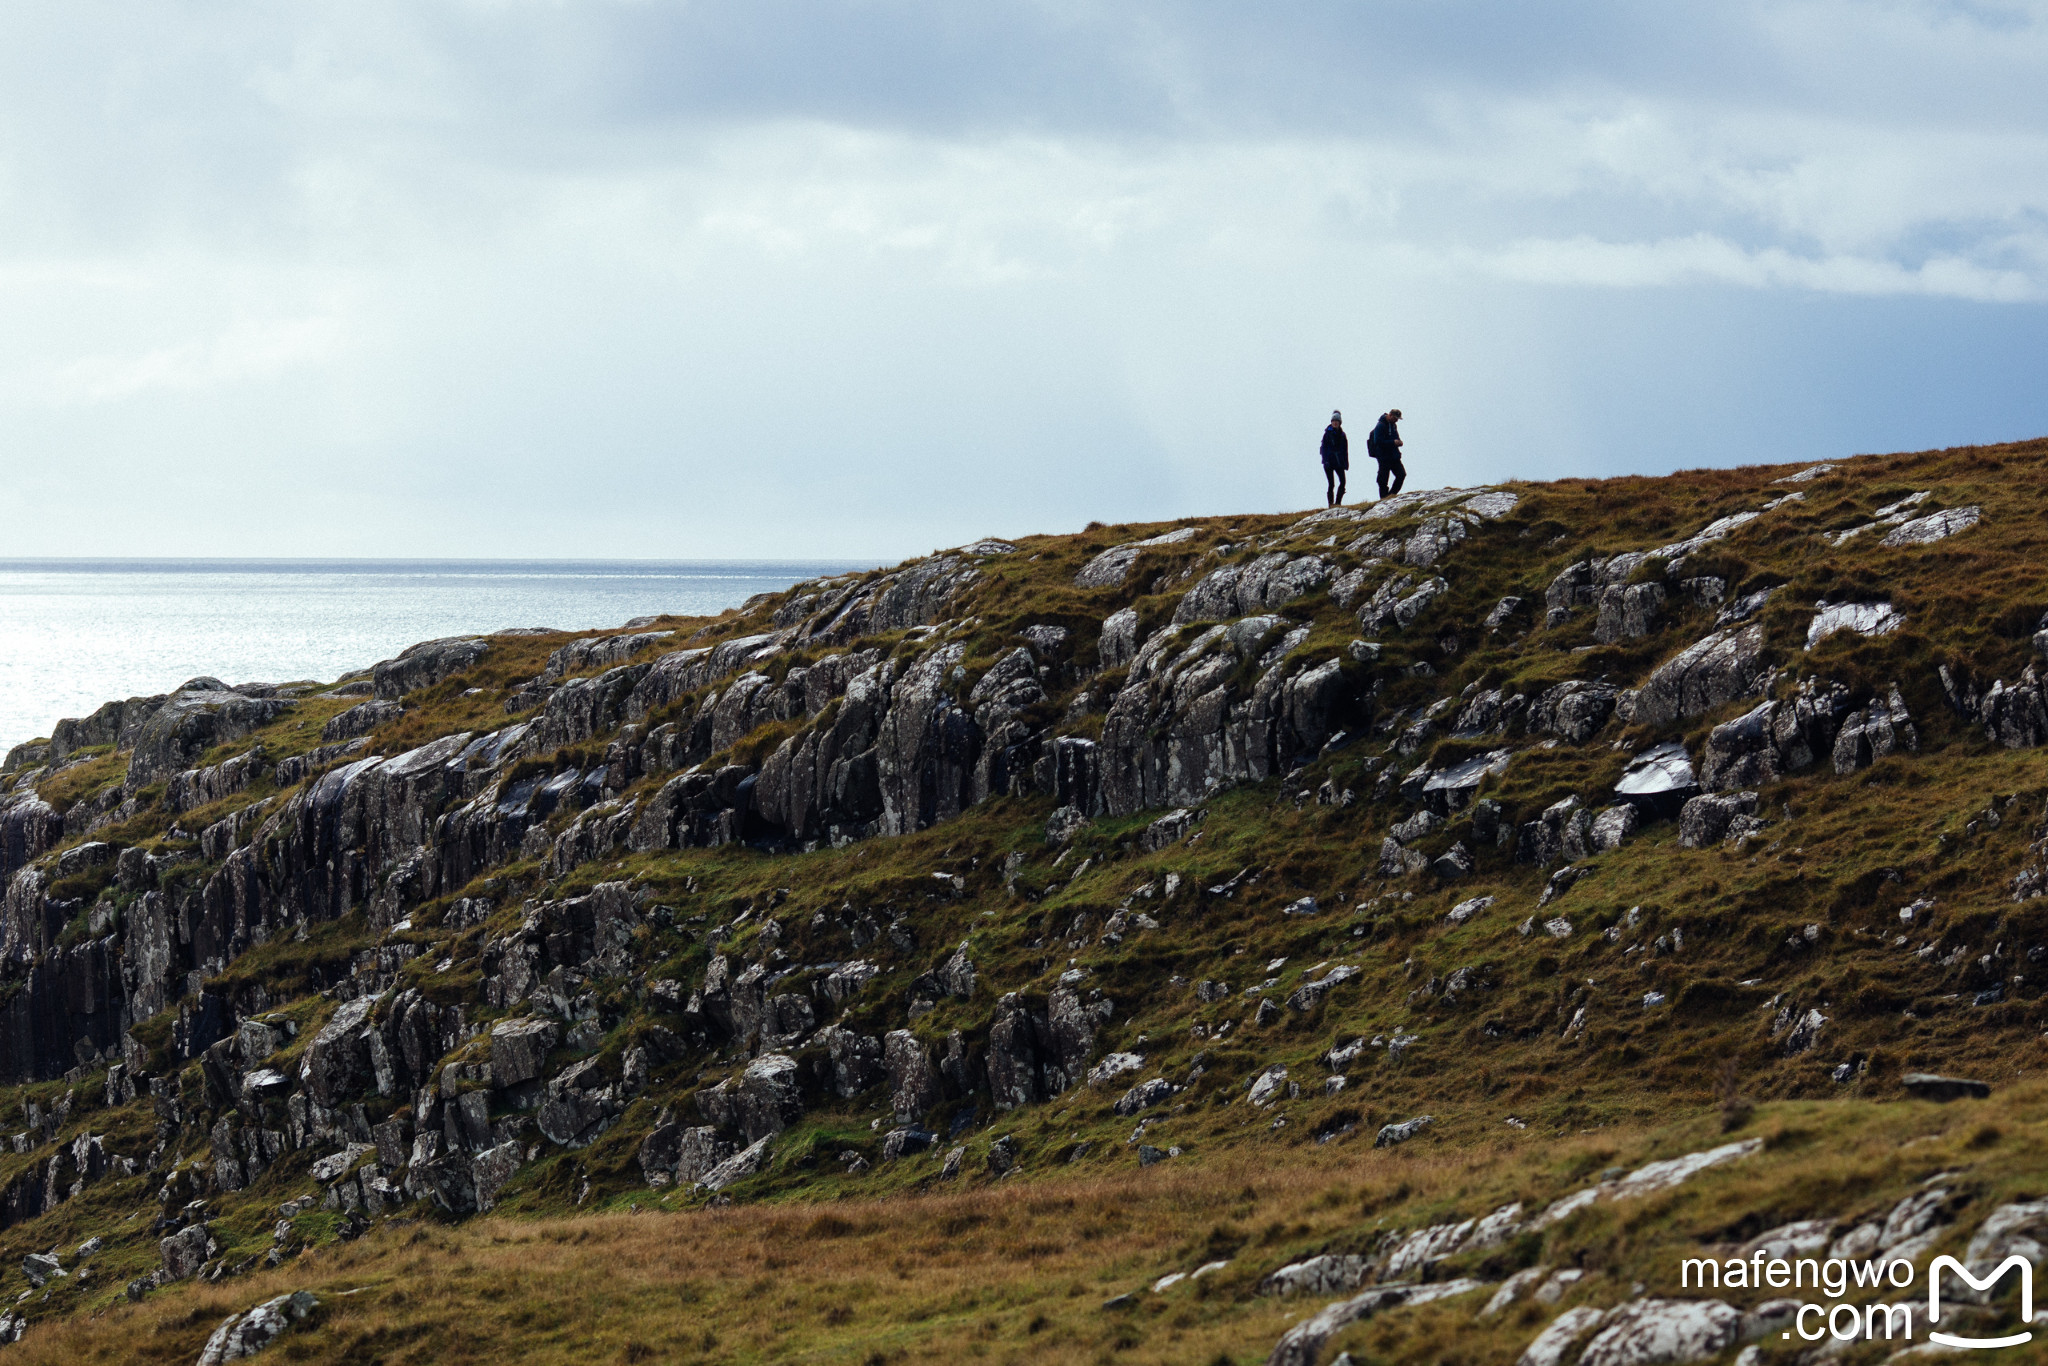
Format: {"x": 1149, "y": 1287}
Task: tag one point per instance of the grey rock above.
{"x": 1455, "y": 862}
{"x": 1743, "y": 608}
{"x": 1933, "y": 527}
{"x": 1862, "y": 618}
{"x": 1707, "y": 674}
{"x": 1628, "y": 612}
{"x": 1872, "y": 732}
{"x": 1330, "y": 1274}
{"x": 913, "y": 1080}
{"x": 426, "y": 664}
{"x": 1118, "y": 643}
{"x": 1399, "y": 602}
{"x": 41, "y": 1268}
{"x": 747, "y": 1162}
{"x": 185, "y": 1251}
{"x": 1932, "y": 1086}
{"x": 1504, "y": 612}
{"x": 1112, "y": 566}
{"x": 1453, "y": 788}
{"x": 1652, "y": 1332}
{"x": 906, "y": 1142}
{"x": 1573, "y": 711}
{"x": 1392, "y": 1134}
{"x": 360, "y": 719}
{"x": 1554, "y": 1343}
{"x": 1613, "y": 826}
{"x": 1064, "y": 824}
{"x": 1705, "y": 819}
{"x": 1398, "y": 861}
{"x": 192, "y": 721}
{"x": 519, "y": 1050}
{"x": 1659, "y": 780}
{"x": 246, "y": 1334}
{"x": 1302, "y": 1345}
{"x": 1775, "y": 738}
{"x": 1170, "y": 829}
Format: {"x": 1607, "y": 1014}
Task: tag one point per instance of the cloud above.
{"x": 869, "y": 275}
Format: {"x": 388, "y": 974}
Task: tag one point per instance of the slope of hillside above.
{"x": 1071, "y": 912}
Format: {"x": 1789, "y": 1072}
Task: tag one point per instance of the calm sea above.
{"x": 76, "y": 633}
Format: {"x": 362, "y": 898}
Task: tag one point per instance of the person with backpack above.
{"x": 1336, "y": 459}
{"x": 1385, "y": 447}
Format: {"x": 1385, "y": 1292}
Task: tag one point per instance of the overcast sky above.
{"x": 777, "y": 278}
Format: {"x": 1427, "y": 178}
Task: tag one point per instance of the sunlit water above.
{"x": 76, "y": 633}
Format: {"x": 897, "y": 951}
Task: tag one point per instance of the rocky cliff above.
{"x": 864, "y": 882}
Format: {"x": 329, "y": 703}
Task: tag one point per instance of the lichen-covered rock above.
{"x": 425, "y": 664}
{"x": 244, "y": 1335}
{"x": 1573, "y": 710}
{"x": 1661, "y": 1332}
{"x": 1707, "y": 674}
{"x": 1707, "y": 818}
{"x": 185, "y": 1251}
{"x": 519, "y": 1050}
{"x": 1872, "y": 732}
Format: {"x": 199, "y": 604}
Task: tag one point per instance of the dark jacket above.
{"x": 1336, "y": 448}
{"x": 1385, "y": 441}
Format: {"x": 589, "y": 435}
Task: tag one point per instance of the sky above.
{"x": 784, "y": 278}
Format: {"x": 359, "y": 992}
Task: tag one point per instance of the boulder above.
{"x": 246, "y": 1334}
{"x": 1932, "y": 1086}
{"x": 360, "y": 719}
{"x": 913, "y": 1080}
{"x": 41, "y": 1268}
{"x": 1628, "y": 612}
{"x": 1453, "y": 788}
{"x": 1707, "y": 674}
{"x": 519, "y": 1050}
{"x": 1775, "y": 739}
{"x": 1063, "y": 824}
{"x": 185, "y": 1251}
{"x": 1392, "y": 1134}
{"x": 1143, "y": 1096}
{"x": 1574, "y": 710}
{"x": 1863, "y": 618}
{"x": 1302, "y": 1345}
{"x": 1614, "y": 825}
{"x": 1706, "y": 819}
{"x": 1169, "y": 829}
{"x": 425, "y": 664}
{"x": 1109, "y": 569}
{"x": 1653, "y": 1332}
{"x": 1555, "y": 1342}
{"x": 1118, "y": 643}
{"x": 1659, "y": 780}
{"x": 1330, "y": 1274}
{"x": 906, "y": 1142}
{"x": 337, "y": 1062}
{"x": 1564, "y": 830}
{"x": 747, "y": 1162}
{"x": 192, "y": 721}
{"x": 1934, "y": 527}
{"x": 1872, "y": 732}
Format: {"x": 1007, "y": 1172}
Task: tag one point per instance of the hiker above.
{"x": 1385, "y": 447}
{"x": 1336, "y": 459}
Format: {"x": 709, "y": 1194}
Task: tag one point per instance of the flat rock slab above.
{"x": 1930, "y": 1086}
{"x": 1864, "y": 618}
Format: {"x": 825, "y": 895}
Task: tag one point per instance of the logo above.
{"x": 2026, "y": 1299}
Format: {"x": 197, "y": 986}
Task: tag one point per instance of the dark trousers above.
{"x": 1391, "y": 466}
{"x": 1333, "y": 480}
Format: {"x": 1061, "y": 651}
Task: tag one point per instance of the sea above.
{"x": 78, "y": 632}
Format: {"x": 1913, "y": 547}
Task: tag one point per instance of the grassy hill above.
{"x": 878, "y": 881}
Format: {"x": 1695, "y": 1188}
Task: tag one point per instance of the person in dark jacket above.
{"x": 1336, "y": 459}
{"x": 1385, "y": 447}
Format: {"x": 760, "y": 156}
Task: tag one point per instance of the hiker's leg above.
{"x": 1338, "y": 496}
{"x": 1382, "y": 478}
{"x": 1400, "y": 473}
{"x": 1329, "y": 487}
